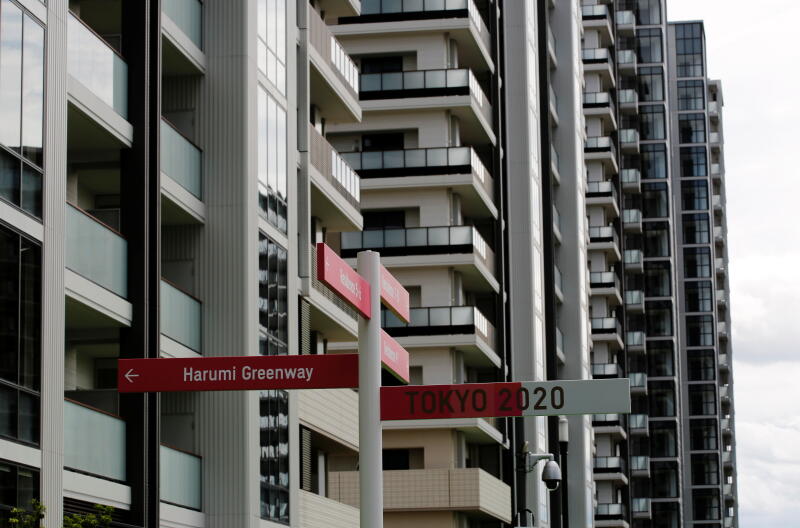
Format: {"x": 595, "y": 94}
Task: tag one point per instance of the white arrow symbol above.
{"x": 129, "y": 375}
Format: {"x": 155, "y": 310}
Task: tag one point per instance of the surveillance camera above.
{"x": 551, "y": 475}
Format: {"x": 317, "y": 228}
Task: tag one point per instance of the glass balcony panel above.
{"x": 390, "y": 320}
{"x": 463, "y": 315}
{"x": 416, "y": 158}
{"x": 96, "y": 252}
{"x": 373, "y": 238}
{"x": 188, "y": 16}
{"x": 371, "y": 160}
{"x": 180, "y": 160}
{"x": 371, "y": 82}
{"x": 459, "y": 156}
{"x": 440, "y": 316}
{"x": 412, "y": 5}
{"x": 94, "y": 442}
{"x": 180, "y": 478}
{"x": 461, "y": 236}
{"x": 437, "y": 157}
{"x": 393, "y": 159}
{"x": 181, "y": 317}
{"x": 394, "y": 238}
{"x": 97, "y": 66}
{"x": 419, "y": 317}
{"x": 439, "y": 236}
{"x": 351, "y": 240}
{"x": 434, "y": 5}
{"x": 416, "y": 237}
{"x": 411, "y": 81}
{"x": 391, "y": 6}
{"x": 436, "y": 79}
{"x": 455, "y": 4}
{"x": 457, "y": 78}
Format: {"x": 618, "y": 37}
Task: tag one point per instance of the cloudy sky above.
{"x": 752, "y": 47}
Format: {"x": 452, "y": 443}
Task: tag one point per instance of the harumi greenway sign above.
{"x": 527, "y": 398}
{"x": 335, "y": 273}
{"x": 394, "y": 357}
{"x": 238, "y": 373}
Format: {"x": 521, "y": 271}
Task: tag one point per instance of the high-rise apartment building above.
{"x": 545, "y": 178}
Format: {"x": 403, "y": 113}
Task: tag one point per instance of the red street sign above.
{"x": 238, "y": 373}
{"x": 528, "y": 398}
{"x": 394, "y": 357}
{"x": 394, "y": 296}
{"x": 343, "y": 280}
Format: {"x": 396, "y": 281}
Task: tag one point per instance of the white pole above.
{"x": 370, "y": 442}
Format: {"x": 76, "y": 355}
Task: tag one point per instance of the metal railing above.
{"x": 331, "y": 50}
{"x": 333, "y": 167}
{"x": 442, "y": 316}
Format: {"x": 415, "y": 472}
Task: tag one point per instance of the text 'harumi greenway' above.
{"x": 246, "y": 374}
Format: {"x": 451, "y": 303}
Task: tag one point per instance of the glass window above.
{"x": 665, "y": 515}
{"x": 705, "y": 470}
{"x": 661, "y": 359}
{"x": 654, "y": 161}
{"x": 656, "y": 239}
{"x": 664, "y": 480}
{"x": 696, "y": 228}
{"x": 272, "y": 167}
{"x": 662, "y": 399}
{"x": 694, "y": 162}
{"x": 689, "y": 49}
{"x": 692, "y": 128}
{"x": 655, "y": 200}
{"x": 19, "y": 485}
{"x": 659, "y": 318}
{"x": 648, "y": 12}
{"x": 272, "y": 296}
{"x": 697, "y": 262}
{"x": 691, "y": 95}
{"x": 698, "y": 296}
{"x": 651, "y": 83}
{"x": 663, "y": 441}
{"x": 700, "y": 330}
{"x": 702, "y": 366}
{"x": 705, "y": 502}
{"x": 651, "y": 122}
{"x": 648, "y": 45}
{"x": 702, "y": 400}
{"x": 272, "y": 41}
{"x": 703, "y": 434}
{"x": 694, "y": 195}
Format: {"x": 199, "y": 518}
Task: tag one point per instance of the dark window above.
{"x": 702, "y": 400}
{"x": 655, "y": 200}
{"x": 664, "y": 479}
{"x": 20, "y": 337}
{"x": 651, "y": 122}
{"x": 705, "y": 503}
{"x": 396, "y": 459}
{"x": 382, "y": 64}
{"x": 659, "y": 318}
{"x": 18, "y": 487}
{"x": 387, "y": 141}
{"x": 702, "y": 366}
{"x": 661, "y": 359}
{"x": 648, "y": 12}
{"x": 657, "y": 279}
{"x": 662, "y": 399}
{"x": 694, "y": 195}
{"x": 689, "y": 50}
{"x": 691, "y": 95}
{"x": 656, "y": 239}
{"x": 272, "y": 296}
{"x": 665, "y": 515}
{"x": 705, "y": 470}
{"x": 663, "y": 440}
{"x": 694, "y": 162}
{"x": 697, "y": 262}
{"x": 654, "y": 161}
{"x": 384, "y": 219}
{"x": 696, "y": 228}
{"x": 651, "y": 83}
{"x": 700, "y": 330}
{"x": 703, "y": 434}
{"x": 698, "y": 296}
{"x": 692, "y": 128}
{"x": 272, "y": 166}
{"x": 648, "y": 45}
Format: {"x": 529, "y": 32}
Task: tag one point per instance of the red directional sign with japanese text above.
{"x": 394, "y": 357}
{"x": 337, "y": 274}
{"x": 394, "y": 296}
{"x": 238, "y": 373}
{"x": 528, "y": 398}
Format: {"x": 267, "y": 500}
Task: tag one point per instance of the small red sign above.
{"x": 238, "y": 373}
{"x": 468, "y": 400}
{"x": 394, "y": 296}
{"x": 394, "y": 357}
{"x": 333, "y": 271}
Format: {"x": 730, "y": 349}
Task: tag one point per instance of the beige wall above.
{"x": 439, "y": 445}
{"x": 439, "y": 519}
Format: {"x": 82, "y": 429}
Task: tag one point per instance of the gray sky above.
{"x": 752, "y": 48}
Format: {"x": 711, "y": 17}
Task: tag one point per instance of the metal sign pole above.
{"x": 370, "y": 442}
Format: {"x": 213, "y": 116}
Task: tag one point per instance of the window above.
{"x": 663, "y": 440}
{"x": 691, "y": 95}
{"x": 705, "y": 503}
{"x": 697, "y": 262}
{"x": 689, "y": 50}
{"x": 20, "y": 337}
{"x": 659, "y": 318}
{"x": 385, "y": 64}
{"x": 664, "y": 480}
{"x": 656, "y": 239}
{"x": 648, "y": 12}
{"x": 654, "y": 161}
{"x": 694, "y": 195}
{"x": 272, "y": 296}
{"x": 696, "y": 228}
{"x": 705, "y": 470}
{"x": 655, "y": 200}
{"x": 701, "y": 365}
{"x": 19, "y": 485}
{"x": 703, "y": 434}
{"x": 21, "y": 108}
{"x": 651, "y": 83}
{"x": 702, "y": 400}
{"x": 700, "y": 330}
{"x": 698, "y": 296}
{"x": 665, "y": 515}
{"x": 651, "y": 122}
{"x": 694, "y": 162}
{"x": 272, "y": 41}
{"x": 648, "y": 45}
{"x": 661, "y": 359}
{"x": 662, "y": 399}
{"x": 692, "y": 128}
{"x": 272, "y": 168}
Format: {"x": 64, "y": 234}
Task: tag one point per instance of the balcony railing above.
{"x": 634, "y": 297}
{"x": 723, "y": 360}
{"x": 181, "y": 478}
{"x": 332, "y": 51}
{"x": 333, "y": 167}
{"x": 639, "y": 505}
{"x": 600, "y": 144}
{"x": 559, "y": 342}
{"x": 605, "y": 369}
{"x": 95, "y": 64}
{"x": 557, "y": 279}
{"x": 606, "y": 325}
{"x": 181, "y": 316}
{"x": 640, "y": 463}
{"x": 181, "y": 160}
{"x": 594, "y": 12}
{"x": 603, "y": 279}
{"x": 627, "y": 96}
{"x": 630, "y": 178}
{"x": 715, "y": 169}
{"x": 601, "y": 188}
{"x": 638, "y": 380}
{"x": 602, "y": 234}
{"x": 626, "y": 57}
{"x": 625, "y": 18}
{"x": 598, "y": 100}
{"x": 631, "y": 216}
{"x": 606, "y": 420}
{"x": 596, "y": 56}
{"x": 96, "y": 251}
{"x": 443, "y": 320}
{"x": 419, "y": 241}
{"x": 628, "y": 136}
{"x": 713, "y": 138}
{"x": 188, "y": 16}
{"x": 609, "y": 464}
{"x": 638, "y": 422}
{"x": 609, "y": 510}
{"x": 94, "y": 442}
{"x": 633, "y": 257}
{"x": 635, "y": 338}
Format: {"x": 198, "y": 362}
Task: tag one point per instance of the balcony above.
{"x": 606, "y": 284}
{"x": 719, "y": 265}
{"x": 601, "y": 61}
{"x": 638, "y": 424}
{"x": 713, "y": 109}
{"x": 467, "y": 490}
{"x": 552, "y": 47}
{"x": 725, "y": 425}
{"x": 727, "y": 492}
{"x": 626, "y": 22}
{"x": 607, "y": 330}
{"x": 609, "y": 424}
{"x": 632, "y": 220}
{"x": 719, "y": 235}
{"x": 605, "y": 512}
{"x": 462, "y": 326}
{"x": 459, "y": 247}
{"x": 555, "y": 165}
{"x": 716, "y": 171}
{"x": 182, "y": 29}
{"x": 629, "y": 139}
{"x": 598, "y": 17}
{"x": 640, "y": 466}
{"x": 334, "y": 76}
{"x": 599, "y": 104}
{"x": 94, "y": 442}
{"x": 559, "y": 284}
{"x": 714, "y": 139}
{"x": 605, "y": 370}
{"x": 457, "y": 168}
{"x": 635, "y": 342}
{"x": 96, "y": 252}
{"x": 181, "y": 178}
{"x": 455, "y": 90}
{"x": 626, "y": 60}
{"x": 722, "y": 360}
{"x": 634, "y": 260}
{"x": 722, "y": 298}
{"x": 628, "y": 99}
{"x": 727, "y": 522}
{"x": 602, "y": 193}
{"x": 634, "y": 301}
{"x": 602, "y": 148}
{"x": 604, "y": 238}
{"x": 332, "y": 413}
{"x": 640, "y": 508}
{"x": 609, "y": 468}
{"x": 560, "y": 346}
{"x": 557, "y": 224}
{"x": 181, "y": 478}
{"x": 336, "y": 190}
{"x": 330, "y": 315}
{"x": 722, "y": 331}
{"x": 725, "y": 394}
{"x": 94, "y": 65}
{"x": 631, "y": 180}
{"x": 638, "y": 382}
{"x": 188, "y": 16}
{"x": 716, "y": 202}
{"x": 181, "y": 321}
{"x": 321, "y": 512}
{"x": 727, "y": 459}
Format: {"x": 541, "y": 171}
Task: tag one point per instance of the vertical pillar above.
{"x": 370, "y": 441}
